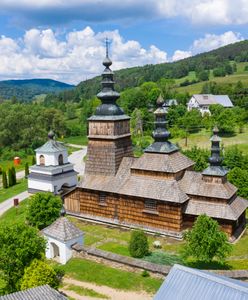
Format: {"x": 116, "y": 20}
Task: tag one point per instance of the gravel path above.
{"x": 113, "y": 294}
{"x": 7, "y": 204}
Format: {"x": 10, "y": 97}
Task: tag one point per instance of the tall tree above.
{"x": 19, "y": 245}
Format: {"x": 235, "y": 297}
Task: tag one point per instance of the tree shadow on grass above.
{"x": 214, "y": 265}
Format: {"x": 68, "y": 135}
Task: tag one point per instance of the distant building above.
{"x": 159, "y": 191}
{"x": 192, "y": 284}
{"x": 203, "y": 101}
{"x": 43, "y": 292}
{"x": 52, "y": 172}
{"x": 171, "y": 102}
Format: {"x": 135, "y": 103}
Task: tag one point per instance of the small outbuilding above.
{"x": 61, "y": 236}
{"x": 192, "y": 284}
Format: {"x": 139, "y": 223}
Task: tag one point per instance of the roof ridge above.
{"x": 213, "y": 277}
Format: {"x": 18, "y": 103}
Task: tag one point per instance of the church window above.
{"x": 42, "y": 160}
{"x": 61, "y": 160}
{"x": 151, "y": 204}
{"x": 102, "y": 199}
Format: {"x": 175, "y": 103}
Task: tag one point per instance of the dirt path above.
{"x": 113, "y": 294}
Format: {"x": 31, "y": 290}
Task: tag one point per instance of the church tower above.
{"x": 109, "y": 129}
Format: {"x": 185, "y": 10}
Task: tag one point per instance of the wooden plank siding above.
{"x": 130, "y": 210}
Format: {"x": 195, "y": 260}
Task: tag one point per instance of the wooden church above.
{"x": 159, "y": 191}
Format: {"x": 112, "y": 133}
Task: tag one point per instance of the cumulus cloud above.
{"x": 61, "y": 11}
{"x": 179, "y": 54}
{"x": 207, "y": 43}
{"x": 41, "y": 53}
{"x": 214, "y": 41}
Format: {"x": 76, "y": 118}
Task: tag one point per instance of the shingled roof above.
{"x": 63, "y": 230}
{"x": 134, "y": 185}
{"x": 193, "y": 184}
{"x": 225, "y": 211}
{"x": 168, "y": 163}
{"x": 43, "y": 292}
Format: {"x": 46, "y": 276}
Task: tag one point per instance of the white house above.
{"x": 203, "y": 101}
{"x": 61, "y": 236}
{"x": 52, "y": 172}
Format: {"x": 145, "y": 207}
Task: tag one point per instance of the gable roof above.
{"x": 224, "y": 100}
{"x": 192, "y": 284}
{"x": 63, "y": 230}
{"x": 208, "y": 99}
{"x": 43, "y": 292}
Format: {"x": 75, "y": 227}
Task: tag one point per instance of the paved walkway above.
{"x": 7, "y": 204}
{"x": 77, "y": 158}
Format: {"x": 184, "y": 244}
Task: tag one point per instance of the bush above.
{"x": 39, "y": 273}
{"x": 138, "y": 245}
{"x": 206, "y": 241}
{"x": 43, "y": 210}
{"x": 4, "y": 180}
{"x": 145, "y": 273}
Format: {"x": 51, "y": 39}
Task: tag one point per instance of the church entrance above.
{"x": 54, "y": 250}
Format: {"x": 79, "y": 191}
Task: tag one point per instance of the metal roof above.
{"x": 51, "y": 146}
{"x": 223, "y": 100}
{"x": 185, "y": 283}
{"x": 43, "y": 292}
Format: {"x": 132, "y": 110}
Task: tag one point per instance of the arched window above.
{"x": 42, "y": 160}
{"x": 61, "y": 160}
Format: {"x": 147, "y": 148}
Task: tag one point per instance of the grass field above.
{"x": 20, "y": 187}
{"x": 6, "y": 164}
{"x": 201, "y": 139}
{"x": 85, "y": 270}
{"x": 196, "y": 88}
{"x": 77, "y": 140}
{"x": 15, "y": 215}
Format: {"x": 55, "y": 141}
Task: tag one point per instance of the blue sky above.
{"x": 64, "y": 40}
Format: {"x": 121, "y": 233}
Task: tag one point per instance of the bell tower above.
{"x": 109, "y": 129}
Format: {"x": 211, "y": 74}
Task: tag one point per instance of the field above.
{"x": 196, "y": 88}
{"x": 20, "y": 187}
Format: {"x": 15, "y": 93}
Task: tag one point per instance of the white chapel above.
{"x": 52, "y": 172}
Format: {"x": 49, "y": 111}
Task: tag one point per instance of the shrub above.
{"x": 145, "y": 273}
{"x": 43, "y": 210}
{"x": 206, "y": 241}
{"x": 26, "y": 170}
{"x": 39, "y": 273}
{"x": 138, "y": 245}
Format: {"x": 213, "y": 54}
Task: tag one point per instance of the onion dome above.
{"x": 108, "y": 95}
{"x": 215, "y": 160}
{"x": 51, "y": 135}
{"x": 161, "y": 134}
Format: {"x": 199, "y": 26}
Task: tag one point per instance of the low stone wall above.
{"x": 137, "y": 265}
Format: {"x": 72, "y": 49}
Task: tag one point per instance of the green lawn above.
{"x": 85, "y": 291}
{"x": 85, "y": 270}
{"x": 201, "y": 139}
{"x": 15, "y": 215}
{"x": 77, "y": 140}
{"x": 20, "y": 187}
{"x": 6, "y": 164}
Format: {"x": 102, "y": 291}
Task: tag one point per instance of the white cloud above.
{"x": 40, "y": 53}
{"x": 62, "y": 11}
{"x": 179, "y": 54}
{"x": 214, "y": 41}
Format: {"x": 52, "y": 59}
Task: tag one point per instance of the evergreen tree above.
{"x": 4, "y": 179}
{"x": 13, "y": 175}
{"x": 33, "y": 160}
{"x": 26, "y": 170}
{"x": 10, "y": 177}
{"x": 138, "y": 245}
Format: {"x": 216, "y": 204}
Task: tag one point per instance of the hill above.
{"x": 220, "y": 59}
{"x": 27, "y": 89}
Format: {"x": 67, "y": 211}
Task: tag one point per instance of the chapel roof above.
{"x": 51, "y": 146}
{"x": 192, "y": 183}
{"x": 63, "y": 230}
{"x": 227, "y": 211}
